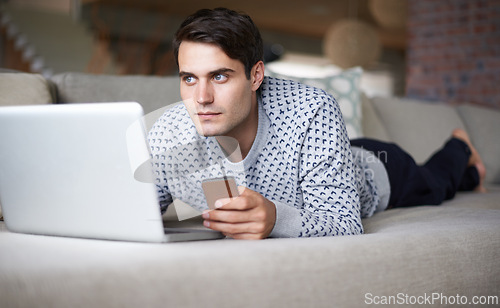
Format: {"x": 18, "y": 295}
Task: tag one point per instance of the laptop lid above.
{"x": 68, "y": 170}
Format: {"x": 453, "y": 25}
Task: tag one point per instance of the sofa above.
{"x": 439, "y": 255}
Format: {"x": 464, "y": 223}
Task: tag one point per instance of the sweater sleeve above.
{"x": 159, "y": 142}
{"x": 327, "y": 180}
{"x": 160, "y": 177}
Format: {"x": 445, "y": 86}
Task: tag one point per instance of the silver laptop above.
{"x": 68, "y": 170}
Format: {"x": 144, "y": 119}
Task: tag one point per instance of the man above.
{"x": 300, "y": 177}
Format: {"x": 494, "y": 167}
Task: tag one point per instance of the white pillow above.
{"x": 342, "y": 85}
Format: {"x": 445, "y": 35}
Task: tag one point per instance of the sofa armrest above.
{"x": 371, "y": 123}
{"x": 483, "y": 125}
{"x": 419, "y": 127}
{"x": 25, "y": 89}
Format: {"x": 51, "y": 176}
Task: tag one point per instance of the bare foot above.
{"x": 474, "y": 159}
{"x": 481, "y": 169}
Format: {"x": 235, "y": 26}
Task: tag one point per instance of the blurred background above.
{"x": 445, "y": 50}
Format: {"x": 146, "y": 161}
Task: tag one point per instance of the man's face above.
{"x": 215, "y": 90}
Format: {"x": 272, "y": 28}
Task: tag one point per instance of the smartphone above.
{"x": 219, "y": 188}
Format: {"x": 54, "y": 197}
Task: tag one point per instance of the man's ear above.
{"x": 257, "y": 75}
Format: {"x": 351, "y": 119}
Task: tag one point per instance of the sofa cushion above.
{"x": 24, "y": 89}
{"x": 483, "y": 125}
{"x": 451, "y": 249}
{"x": 151, "y": 92}
{"x": 418, "y": 127}
{"x": 344, "y": 86}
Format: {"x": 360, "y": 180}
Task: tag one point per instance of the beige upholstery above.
{"x": 24, "y": 89}
{"x": 151, "y": 92}
{"x": 483, "y": 125}
{"x": 450, "y": 249}
{"x": 372, "y": 125}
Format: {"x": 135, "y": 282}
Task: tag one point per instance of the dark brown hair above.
{"x": 233, "y": 32}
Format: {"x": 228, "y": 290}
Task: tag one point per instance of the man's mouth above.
{"x": 208, "y": 115}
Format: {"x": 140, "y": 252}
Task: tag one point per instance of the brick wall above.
{"x": 454, "y": 51}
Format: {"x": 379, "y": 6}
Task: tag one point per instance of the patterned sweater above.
{"x": 301, "y": 160}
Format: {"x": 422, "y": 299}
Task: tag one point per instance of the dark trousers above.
{"x": 436, "y": 180}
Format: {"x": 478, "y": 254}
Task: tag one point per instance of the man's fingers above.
{"x": 241, "y": 203}
{"x": 231, "y": 216}
{"x": 222, "y": 202}
{"x": 237, "y": 203}
{"x": 237, "y": 229}
{"x": 248, "y": 216}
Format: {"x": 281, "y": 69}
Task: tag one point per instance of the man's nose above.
{"x": 204, "y": 93}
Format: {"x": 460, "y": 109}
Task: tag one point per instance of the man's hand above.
{"x": 248, "y": 216}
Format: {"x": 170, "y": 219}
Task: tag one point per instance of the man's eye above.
{"x": 220, "y": 77}
{"x": 188, "y": 79}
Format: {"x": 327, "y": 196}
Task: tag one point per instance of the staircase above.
{"x": 111, "y": 40}
{"x": 46, "y": 42}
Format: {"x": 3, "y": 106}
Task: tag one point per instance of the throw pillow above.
{"x": 343, "y": 86}
{"x": 24, "y": 89}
